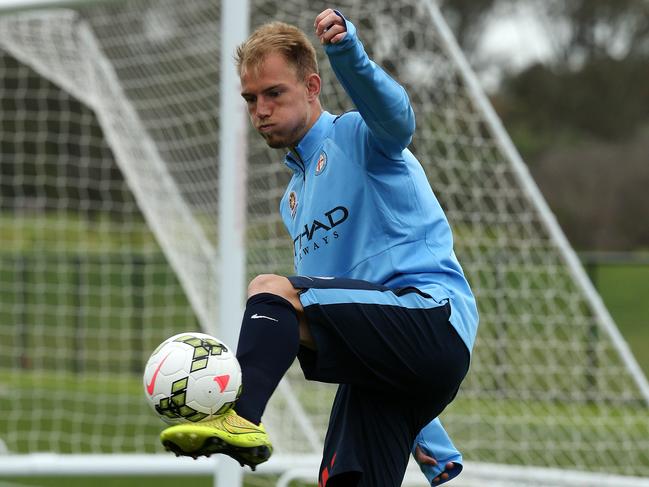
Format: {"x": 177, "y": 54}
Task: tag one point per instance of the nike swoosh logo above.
{"x": 150, "y": 387}
{"x": 257, "y": 317}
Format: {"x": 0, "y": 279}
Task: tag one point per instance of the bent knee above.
{"x": 278, "y": 285}
{"x": 270, "y": 283}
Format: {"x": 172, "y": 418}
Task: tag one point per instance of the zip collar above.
{"x": 300, "y": 156}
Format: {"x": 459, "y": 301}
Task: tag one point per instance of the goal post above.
{"x": 134, "y": 205}
{"x": 232, "y": 179}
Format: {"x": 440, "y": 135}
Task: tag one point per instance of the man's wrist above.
{"x": 348, "y": 42}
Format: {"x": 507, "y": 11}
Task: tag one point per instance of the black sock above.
{"x": 268, "y": 344}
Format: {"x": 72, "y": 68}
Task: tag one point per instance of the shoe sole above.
{"x": 251, "y": 456}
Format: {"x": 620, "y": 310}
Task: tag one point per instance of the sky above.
{"x": 519, "y": 34}
{"x": 515, "y": 38}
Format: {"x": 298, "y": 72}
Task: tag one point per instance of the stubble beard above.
{"x": 275, "y": 143}
{"x": 286, "y": 141}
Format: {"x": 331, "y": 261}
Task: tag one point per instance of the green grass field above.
{"x": 624, "y": 290}
{"x": 628, "y": 307}
{"x": 57, "y": 297}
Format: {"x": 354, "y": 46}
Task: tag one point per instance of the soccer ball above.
{"x": 191, "y": 377}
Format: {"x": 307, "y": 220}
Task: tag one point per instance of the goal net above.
{"x": 109, "y": 176}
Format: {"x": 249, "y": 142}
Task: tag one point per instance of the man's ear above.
{"x": 313, "y": 83}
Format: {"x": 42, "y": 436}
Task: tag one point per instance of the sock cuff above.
{"x": 270, "y": 298}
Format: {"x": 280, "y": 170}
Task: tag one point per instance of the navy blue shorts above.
{"x": 399, "y": 363}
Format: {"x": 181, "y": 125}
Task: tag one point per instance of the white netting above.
{"x": 108, "y": 208}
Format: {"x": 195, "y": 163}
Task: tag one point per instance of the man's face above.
{"x": 278, "y": 102}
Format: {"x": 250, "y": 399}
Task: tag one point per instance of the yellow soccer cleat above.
{"x": 228, "y": 433}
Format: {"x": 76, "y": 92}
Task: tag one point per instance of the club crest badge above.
{"x": 321, "y": 164}
{"x": 292, "y": 203}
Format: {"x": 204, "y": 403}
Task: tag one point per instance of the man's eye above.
{"x": 274, "y": 94}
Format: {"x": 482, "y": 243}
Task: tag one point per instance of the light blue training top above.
{"x": 359, "y": 204}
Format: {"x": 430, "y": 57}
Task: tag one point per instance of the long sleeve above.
{"x": 382, "y": 102}
{"x": 436, "y": 443}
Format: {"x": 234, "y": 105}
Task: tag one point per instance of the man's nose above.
{"x": 264, "y": 109}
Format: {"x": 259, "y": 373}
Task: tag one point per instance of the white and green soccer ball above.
{"x": 191, "y": 377}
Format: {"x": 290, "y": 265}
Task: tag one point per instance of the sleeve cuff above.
{"x": 435, "y": 442}
{"x": 348, "y": 42}
{"x": 432, "y": 471}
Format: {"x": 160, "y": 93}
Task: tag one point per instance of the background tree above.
{"x": 581, "y": 118}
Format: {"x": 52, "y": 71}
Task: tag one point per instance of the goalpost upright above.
{"x": 233, "y": 125}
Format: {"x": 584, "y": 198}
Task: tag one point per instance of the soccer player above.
{"x": 391, "y": 317}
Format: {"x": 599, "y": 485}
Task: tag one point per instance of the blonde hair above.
{"x": 278, "y": 37}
